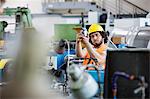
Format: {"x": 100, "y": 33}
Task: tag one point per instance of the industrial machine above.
{"x": 142, "y": 38}
{"x": 3, "y": 25}
{"x": 125, "y": 78}
{"x": 22, "y": 15}
{"x": 135, "y": 31}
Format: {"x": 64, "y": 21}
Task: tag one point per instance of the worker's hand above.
{"x": 85, "y": 40}
{"x": 82, "y": 38}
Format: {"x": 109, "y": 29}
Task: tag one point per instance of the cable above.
{"x": 68, "y": 59}
{"x": 114, "y": 81}
{"x": 109, "y": 40}
{"x": 118, "y": 74}
{"x": 68, "y": 45}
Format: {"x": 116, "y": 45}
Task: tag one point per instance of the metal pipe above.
{"x": 141, "y": 79}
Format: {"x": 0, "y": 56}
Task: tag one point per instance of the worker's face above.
{"x": 96, "y": 39}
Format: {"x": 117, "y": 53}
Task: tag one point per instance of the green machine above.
{"x": 3, "y": 25}
{"x": 22, "y": 15}
{"x": 65, "y": 31}
{"x": 23, "y": 19}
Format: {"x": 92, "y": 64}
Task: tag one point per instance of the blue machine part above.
{"x": 94, "y": 74}
{"x": 60, "y": 57}
{"x": 122, "y": 45}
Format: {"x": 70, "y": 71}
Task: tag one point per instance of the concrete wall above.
{"x": 45, "y": 24}
{"x": 145, "y": 4}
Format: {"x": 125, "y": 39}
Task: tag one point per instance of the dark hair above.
{"x": 103, "y": 34}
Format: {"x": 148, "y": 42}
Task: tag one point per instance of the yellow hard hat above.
{"x": 94, "y": 28}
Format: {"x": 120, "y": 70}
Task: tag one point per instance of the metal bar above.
{"x": 119, "y": 6}
{"x": 116, "y": 6}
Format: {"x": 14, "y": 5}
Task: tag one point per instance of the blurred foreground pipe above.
{"x": 30, "y": 80}
{"x": 83, "y": 86}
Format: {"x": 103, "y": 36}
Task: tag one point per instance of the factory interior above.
{"x": 74, "y": 49}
